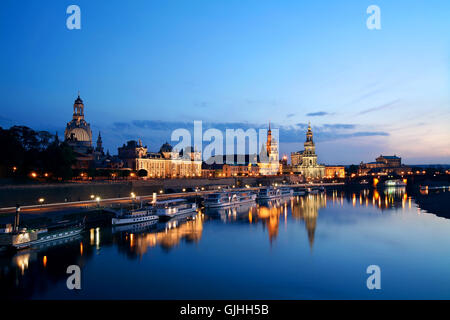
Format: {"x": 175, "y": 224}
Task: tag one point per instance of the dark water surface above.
{"x": 310, "y": 247}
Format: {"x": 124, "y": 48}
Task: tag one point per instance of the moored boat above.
{"x": 286, "y": 192}
{"x": 299, "y": 191}
{"x": 24, "y": 238}
{"x": 228, "y": 198}
{"x": 395, "y": 183}
{"x": 266, "y": 193}
{"x": 168, "y": 209}
{"x": 140, "y": 215}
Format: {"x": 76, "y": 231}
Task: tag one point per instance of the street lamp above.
{"x": 41, "y": 200}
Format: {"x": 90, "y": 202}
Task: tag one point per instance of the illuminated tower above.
{"x": 269, "y": 140}
{"x": 78, "y": 132}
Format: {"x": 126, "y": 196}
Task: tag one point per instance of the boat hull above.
{"x": 49, "y": 238}
{"x": 131, "y": 220}
{"x": 229, "y": 204}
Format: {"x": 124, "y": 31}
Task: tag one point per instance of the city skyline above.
{"x": 364, "y": 91}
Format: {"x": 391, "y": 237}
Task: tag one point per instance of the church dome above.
{"x": 78, "y": 134}
{"x": 166, "y": 147}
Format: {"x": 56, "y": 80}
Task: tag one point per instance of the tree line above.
{"x": 27, "y": 153}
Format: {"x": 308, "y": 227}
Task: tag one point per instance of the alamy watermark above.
{"x": 374, "y": 280}
{"x": 74, "y": 280}
{"x": 373, "y": 22}
{"x": 74, "y": 20}
{"x": 212, "y": 144}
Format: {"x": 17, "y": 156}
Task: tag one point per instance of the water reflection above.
{"x": 307, "y": 209}
{"x": 33, "y": 272}
{"x": 167, "y": 235}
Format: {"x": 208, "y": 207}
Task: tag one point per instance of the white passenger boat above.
{"x": 228, "y": 198}
{"x": 267, "y": 193}
{"x": 286, "y": 192}
{"x": 135, "y": 216}
{"x": 395, "y": 183}
{"x": 25, "y": 238}
{"x": 136, "y": 227}
{"x": 168, "y": 209}
{"x": 299, "y": 191}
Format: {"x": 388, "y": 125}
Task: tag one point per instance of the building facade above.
{"x": 269, "y": 163}
{"x": 383, "y": 165}
{"x": 305, "y": 162}
{"x": 78, "y": 136}
{"x": 334, "y": 172}
{"x": 166, "y": 163}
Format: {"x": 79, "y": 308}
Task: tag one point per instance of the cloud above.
{"x": 326, "y": 132}
{"x": 339, "y": 126}
{"x": 156, "y": 132}
{"x": 318, "y": 114}
{"x": 383, "y": 106}
{"x": 290, "y": 115}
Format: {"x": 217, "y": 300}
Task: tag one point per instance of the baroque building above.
{"x": 167, "y": 163}
{"x": 269, "y": 163}
{"x": 384, "y": 165}
{"x": 78, "y": 136}
{"x": 305, "y": 162}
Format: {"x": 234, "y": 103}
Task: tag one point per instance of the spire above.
{"x": 309, "y": 133}
{"x": 99, "y": 143}
{"x": 269, "y": 140}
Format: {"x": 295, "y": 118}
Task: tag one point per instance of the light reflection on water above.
{"x": 314, "y": 246}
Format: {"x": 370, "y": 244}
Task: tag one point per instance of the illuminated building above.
{"x": 231, "y": 170}
{"x": 78, "y": 136}
{"x": 166, "y": 163}
{"x": 305, "y": 162}
{"x": 384, "y": 165}
{"x": 334, "y": 172}
{"x": 269, "y": 163}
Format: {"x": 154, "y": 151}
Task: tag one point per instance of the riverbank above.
{"x": 29, "y": 194}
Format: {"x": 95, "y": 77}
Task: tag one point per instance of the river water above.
{"x": 309, "y": 247}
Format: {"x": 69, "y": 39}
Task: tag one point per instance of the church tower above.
{"x": 99, "y": 147}
{"x": 269, "y": 140}
{"x": 309, "y": 155}
{"x": 310, "y": 148}
{"x": 78, "y": 132}
{"x": 78, "y": 109}
{"x": 271, "y": 164}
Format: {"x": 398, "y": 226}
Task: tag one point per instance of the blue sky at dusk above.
{"x": 145, "y": 68}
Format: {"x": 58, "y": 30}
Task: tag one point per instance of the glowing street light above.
{"x": 41, "y": 200}
{"x": 92, "y": 196}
